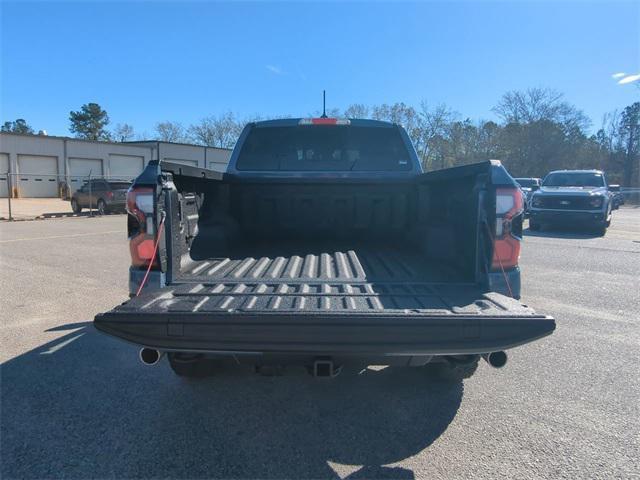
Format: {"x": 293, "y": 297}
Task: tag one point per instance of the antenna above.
{"x": 324, "y": 104}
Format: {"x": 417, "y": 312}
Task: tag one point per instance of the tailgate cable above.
{"x": 504, "y": 274}
{"x": 153, "y": 257}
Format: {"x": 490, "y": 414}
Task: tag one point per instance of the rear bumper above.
{"x": 326, "y": 334}
{"x": 573, "y": 217}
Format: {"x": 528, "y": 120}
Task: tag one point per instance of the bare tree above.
{"x": 123, "y": 132}
{"x": 539, "y": 104}
{"x": 399, "y": 113}
{"x": 170, "y": 132}
{"x": 403, "y": 115}
{"x": 489, "y": 140}
{"x": 608, "y": 133}
{"x": 329, "y": 112}
{"x": 216, "y": 131}
{"x": 435, "y": 128}
{"x": 357, "y": 110}
{"x": 630, "y": 133}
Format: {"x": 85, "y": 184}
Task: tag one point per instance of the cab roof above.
{"x": 577, "y": 171}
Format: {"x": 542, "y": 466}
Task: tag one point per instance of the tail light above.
{"x": 506, "y": 243}
{"x": 140, "y": 226}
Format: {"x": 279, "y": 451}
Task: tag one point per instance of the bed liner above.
{"x": 277, "y": 264}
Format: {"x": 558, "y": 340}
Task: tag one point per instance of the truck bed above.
{"x": 368, "y": 266}
{"x": 361, "y": 300}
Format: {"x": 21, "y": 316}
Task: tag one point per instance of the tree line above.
{"x": 537, "y": 131}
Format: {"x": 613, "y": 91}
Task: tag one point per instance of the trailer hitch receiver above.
{"x": 325, "y": 368}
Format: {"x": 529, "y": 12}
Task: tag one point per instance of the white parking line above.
{"x": 60, "y": 345}
{"x": 61, "y": 236}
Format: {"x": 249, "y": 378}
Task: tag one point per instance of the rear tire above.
{"x": 102, "y": 207}
{"x": 454, "y": 372}
{"x": 75, "y": 206}
{"x": 533, "y": 226}
{"x": 189, "y": 365}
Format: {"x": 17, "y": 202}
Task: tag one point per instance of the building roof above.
{"x": 151, "y": 142}
{"x": 132, "y": 143}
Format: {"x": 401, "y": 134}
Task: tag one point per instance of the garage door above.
{"x": 37, "y": 176}
{"x": 80, "y": 168}
{"x": 4, "y": 168}
{"x": 125, "y": 166}
{"x": 218, "y": 167}
{"x": 191, "y": 163}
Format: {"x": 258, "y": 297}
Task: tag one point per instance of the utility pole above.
{"x": 9, "y": 194}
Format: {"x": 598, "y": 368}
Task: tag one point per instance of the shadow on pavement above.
{"x": 82, "y": 406}
{"x": 381, "y": 472}
{"x": 68, "y": 326}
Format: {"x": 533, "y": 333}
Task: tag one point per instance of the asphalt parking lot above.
{"x": 77, "y": 404}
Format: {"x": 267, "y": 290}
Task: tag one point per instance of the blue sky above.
{"x": 146, "y": 62}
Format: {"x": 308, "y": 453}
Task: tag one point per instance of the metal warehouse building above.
{"x": 46, "y": 166}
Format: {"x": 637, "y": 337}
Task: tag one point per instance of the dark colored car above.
{"x": 573, "y": 197}
{"x": 528, "y": 186}
{"x": 325, "y": 244}
{"x": 618, "y": 196}
{"x": 103, "y": 195}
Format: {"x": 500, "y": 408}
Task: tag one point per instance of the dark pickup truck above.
{"x": 324, "y": 245}
{"x": 574, "y": 197}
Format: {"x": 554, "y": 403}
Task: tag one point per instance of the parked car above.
{"x": 618, "y": 196}
{"x": 325, "y": 244}
{"x": 103, "y": 195}
{"x": 528, "y": 186}
{"x": 573, "y": 197}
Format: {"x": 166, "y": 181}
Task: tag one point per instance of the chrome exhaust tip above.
{"x": 150, "y": 356}
{"x": 496, "y": 359}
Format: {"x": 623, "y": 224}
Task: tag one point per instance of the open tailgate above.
{"x": 325, "y": 318}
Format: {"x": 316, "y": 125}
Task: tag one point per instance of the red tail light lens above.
{"x": 141, "y": 226}
{"x": 506, "y": 244}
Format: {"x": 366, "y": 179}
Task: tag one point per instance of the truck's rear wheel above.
{"x": 190, "y": 365}
{"x": 455, "y": 370}
{"x": 75, "y": 206}
{"x": 533, "y": 226}
{"x": 102, "y": 207}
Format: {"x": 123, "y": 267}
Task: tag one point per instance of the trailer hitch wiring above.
{"x": 504, "y": 273}
{"x": 153, "y": 256}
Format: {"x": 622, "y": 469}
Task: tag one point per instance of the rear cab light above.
{"x": 324, "y": 121}
{"x": 141, "y": 226}
{"x": 508, "y": 230}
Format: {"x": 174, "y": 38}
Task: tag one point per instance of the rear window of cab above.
{"x": 325, "y": 149}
